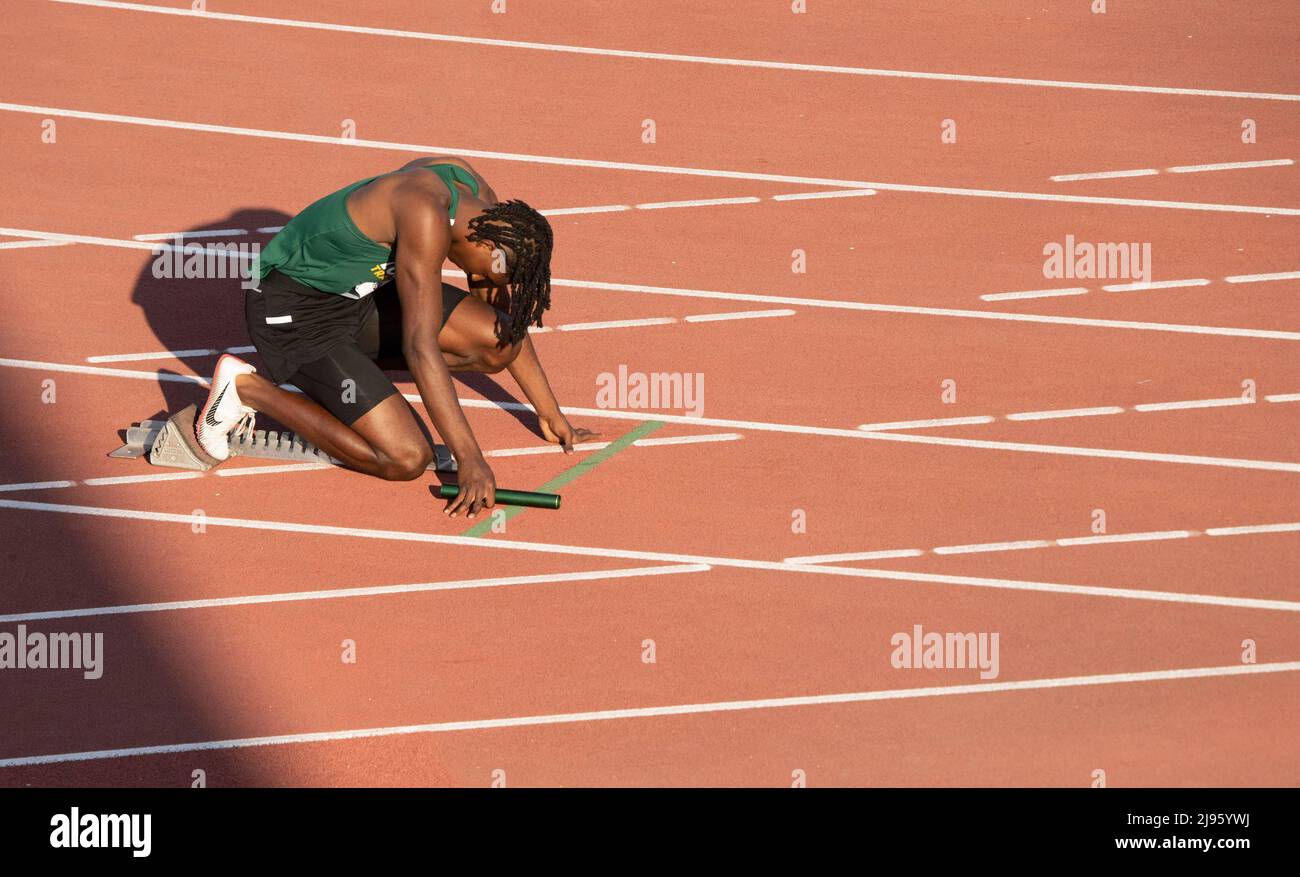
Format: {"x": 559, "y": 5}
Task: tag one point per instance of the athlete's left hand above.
{"x": 556, "y": 429}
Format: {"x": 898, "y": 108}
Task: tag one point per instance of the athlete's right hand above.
{"x": 478, "y": 489}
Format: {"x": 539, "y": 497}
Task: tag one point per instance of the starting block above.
{"x": 171, "y": 443}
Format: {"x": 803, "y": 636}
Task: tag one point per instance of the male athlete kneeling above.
{"x": 352, "y": 284}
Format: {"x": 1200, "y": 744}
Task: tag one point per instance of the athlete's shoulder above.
{"x": 417, "y": 192}
{"x": 426, "y": 160}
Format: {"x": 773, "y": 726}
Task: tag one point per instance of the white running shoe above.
{"x": 223, "y": 413}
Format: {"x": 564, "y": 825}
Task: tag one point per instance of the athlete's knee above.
{"x": 408, "y": 462}
{"x": 495, "y": 359}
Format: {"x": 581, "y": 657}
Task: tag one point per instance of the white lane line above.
{"x": 914, "y": 310}
{"x": 1193, "y": 403}
{"x": 157, "y": 354}
{"x": 687, "y": 59}
{"x": 921, "y": 424}
{"x": 27, "y": 245}
{"x": 1075, "y": 412}
{"x": 615, "y": 324}
{"x": 37, "y": 485}
{"x": 701, "y": 202}
{"x": 1034, "y": 293}
{"x": 727, "y": 706}
{"x": 991, "y": 546}
{"x": 426, "y": 149}
{"x": 688, "y": 439}
{"x": 1156, "y": 284}
{"x": 277, "y": 469}
{"x": 757, "y": 425}
{"x": 596, "y": 446}
{"x": 204, "y": 233}
{"x": 1139, "y": 286}
{"x": 739, "y": 315}
{"x": 138, "y": 479}
{"x": 1104, "y": 175}
{"x": 200, "y": 352}
{"x": 1182, "y": 169}
{"x": 530, "y": 158}
{"x": 1228, "y": 166}
{"x": 272, "y": 470}
{"x": 545, "y": 449}
{"x": 1152, "y": 536}
{"x": 495, "y": 543}
{"x": 796, "y": 301}
{"x": 1066, "y": 412}
{"x": 1257, "y": 528}
{"x": 859, "y": 555}
{"x": 1069, "y": 451}
{"x": 837, "y": 193}
{"x": 348, "y": 593}
{"x": 151, "y": 246}
{"x": 1024, "y": 544}
{"x": 169, "y": 354}
{"x": 103, "y": 372}
{"x": 567, "y": 211}
{"x": 556, "y": 211}
{"x": 1257, "y": 278}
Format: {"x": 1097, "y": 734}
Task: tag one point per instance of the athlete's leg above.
{"x": 368, "y": 426}
{"x": 468, "y": 337}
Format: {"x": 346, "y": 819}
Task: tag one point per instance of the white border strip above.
{"x": 27, "y": 245}
{"x": 1256, "y": 278}
{"x": 1066, "y": 412}
{"x": 922, "y": 424}
{"x": 1034, "y": 293}
{"x": 838, "y": 193}
{"x": 702, "y": 202}
{"x": 1104, "y": 175}
{"x": 738, "y": 315}
{"x": 1193, "y": 403}
{"x": 1156, "y": 284}
{"x": 1228, "y": 166}
{"x": 202, "y": 233}
{"x": 615, "y": 324}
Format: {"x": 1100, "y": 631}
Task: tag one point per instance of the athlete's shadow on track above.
{"x": 188, "y": 313}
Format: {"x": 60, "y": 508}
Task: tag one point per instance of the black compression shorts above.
{"x": 327, "y": 345}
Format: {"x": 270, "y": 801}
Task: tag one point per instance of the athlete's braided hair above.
{"x": 525, "y": 234}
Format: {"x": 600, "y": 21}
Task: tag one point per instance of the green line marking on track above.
{"x": 483, "y": 528}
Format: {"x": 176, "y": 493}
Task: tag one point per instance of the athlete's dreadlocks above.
{"x": 522, "y": 232}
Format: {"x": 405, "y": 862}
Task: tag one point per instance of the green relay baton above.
{"x": 510, "y": 497}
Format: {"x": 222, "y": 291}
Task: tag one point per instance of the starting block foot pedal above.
{"x": 175, "y": 447}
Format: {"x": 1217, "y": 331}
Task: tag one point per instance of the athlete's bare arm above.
{"x": 422, "y": 237}
{"x": 526, "y": 369}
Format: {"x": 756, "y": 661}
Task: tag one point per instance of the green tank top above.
{"x": 322, "y": 247}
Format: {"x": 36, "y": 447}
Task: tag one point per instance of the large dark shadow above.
{"x": 54, "y": 560}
